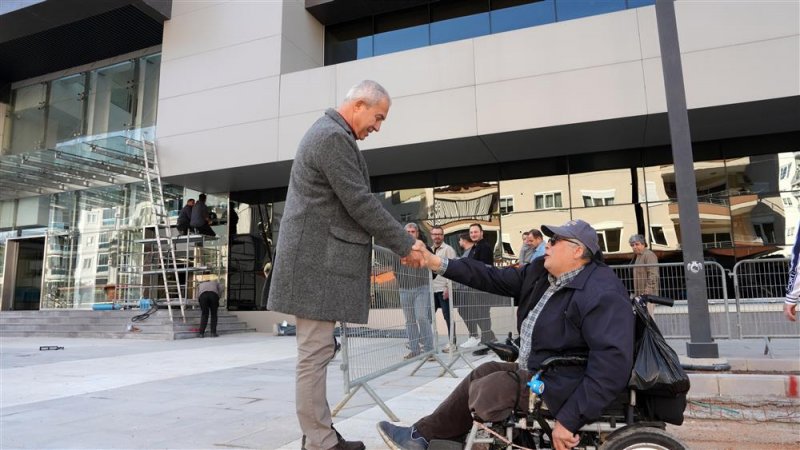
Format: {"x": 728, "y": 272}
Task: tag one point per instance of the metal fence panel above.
{"x": 760, "y": 289}
{"x": 674, "y": 321}
{"x": 400, "y": 330}
{"x": 480, "y": 315}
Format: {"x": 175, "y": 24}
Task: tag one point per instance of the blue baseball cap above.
{"x": 575, "y": 229}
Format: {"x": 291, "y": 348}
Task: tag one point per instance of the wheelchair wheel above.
{"x": 645, "y": 438}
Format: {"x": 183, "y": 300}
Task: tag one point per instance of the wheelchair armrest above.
{"x": 507, "y": 353}
{"x": 562, "y": 361}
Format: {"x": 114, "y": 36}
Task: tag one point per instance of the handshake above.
{"x": 419, "y": 256}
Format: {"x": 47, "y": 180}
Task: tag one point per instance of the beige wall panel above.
{"x": 234, "y": 146}
{"x": 704, "y": 25}
{"x": 291, "y": 130}
{"x": 654, "y": 86}
{"x": 309, "y": 90}
{"x": 427, "y": 117}
{"x": 412, "y": 72}
{"x": 570, "y": 45}
{"x": 742, "y": 73}
{"x": 305, "y": 33}
{"x": 222, "y": 67}
{"x": 181, "y": 7}
{"x": 231, "y": 105}
{"x": 220, "y": 26}
{"x": 293, "y": 59}
{"x": 570, "y": 97}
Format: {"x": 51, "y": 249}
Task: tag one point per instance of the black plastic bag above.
{"x": 656, "y": 367}
{"x": 660, "y": 381}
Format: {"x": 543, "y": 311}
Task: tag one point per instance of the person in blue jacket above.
{"x": 570, "y": 304}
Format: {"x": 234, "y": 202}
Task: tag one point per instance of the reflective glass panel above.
{"x": 28, "y": 118}
{"x": 147, "y": 95}
{"x": 522, "y": 16}
{"x": 460, "y": 28}
{"x": 574, "y": 9}
{"x": 402, "y": 39}
{"x": 112, "y": 98}
{"x": 601, "y": 188}
{"x": 65, "y": 110}
{"x": 614, "y": 225}
{"x": 638, "y": 3}
{"x": 348, "y": 41}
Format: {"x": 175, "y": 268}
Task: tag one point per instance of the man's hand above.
{"x": 445, "y": 294}
{"x": 563, "y": 439}
{"x": 790, "y": 311}
{"x": 413, "y": 259}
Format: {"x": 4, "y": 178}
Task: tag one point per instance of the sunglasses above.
{"x": 556, "y": 239}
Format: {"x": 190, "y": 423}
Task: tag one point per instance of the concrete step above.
{"x": 112, "y": 324}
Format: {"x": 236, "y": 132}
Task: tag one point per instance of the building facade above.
{"x": 507, "y": 113}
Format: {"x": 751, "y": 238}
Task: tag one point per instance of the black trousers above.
{"x": 209, "y": 303}
{"x": 205, "y": 229}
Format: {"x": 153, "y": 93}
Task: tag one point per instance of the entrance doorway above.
{"x": 22, "y": 283}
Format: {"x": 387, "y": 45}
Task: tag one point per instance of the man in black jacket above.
{"x": 185, "y": 217}
{"x": 570, "y": 305}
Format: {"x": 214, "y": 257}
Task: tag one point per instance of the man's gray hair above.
{"x": 412, "y": 225}
{"x": 637, "y": 238}
{"x": 369, "y": 91}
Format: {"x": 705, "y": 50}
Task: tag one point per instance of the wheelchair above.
{"x": 624, "y": 425}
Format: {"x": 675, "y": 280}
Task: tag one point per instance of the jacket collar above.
{"x": 333, "y": 114}
{"x": 579, "y": 282}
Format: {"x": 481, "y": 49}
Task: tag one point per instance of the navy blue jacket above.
{"x": 590, "y": 316}
{"x": 482, "y": 251}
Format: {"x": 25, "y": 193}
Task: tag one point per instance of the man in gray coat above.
{"x": 322, "y": 266}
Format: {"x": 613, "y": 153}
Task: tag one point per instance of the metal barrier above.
{"x": 400, "y": 330}
{"x": 760, "y": 289}
{"x": 485, "y": 317}
{"x": 674, "y": 321}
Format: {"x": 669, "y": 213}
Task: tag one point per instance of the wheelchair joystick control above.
{"x": 536, "y": 385}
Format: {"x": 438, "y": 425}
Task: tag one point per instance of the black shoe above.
{"x": 214, "y": 335}
{"x": 201, "y": 334}
{"x": 481, "y": 352}
{"x": 342, "y": 444}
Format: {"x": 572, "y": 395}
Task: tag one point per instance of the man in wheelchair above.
{"x": 570, "y": 304}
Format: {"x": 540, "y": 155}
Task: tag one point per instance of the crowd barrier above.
{"x": 400, "y": 331}
{"x": 485, "y": 317}
{"x": 673, "y": 321}
{"x": 760, "y": 289}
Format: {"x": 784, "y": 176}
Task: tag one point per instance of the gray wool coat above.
{"x": 322, "y": 265}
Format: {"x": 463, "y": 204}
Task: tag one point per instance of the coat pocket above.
{"x": 347, "y": 259}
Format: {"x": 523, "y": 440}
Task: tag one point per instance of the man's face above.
{"x": 475, "y": 233}
{"x": 637, "y": 247}
{"x": 413, "y": 232}
{"x": 367, "y": 119}
{"x": 464, "y": 244}
{"x": 190, "y": 203}
{"x": 562, "y": 256}
{"x": 532, "y": 241}
{"x": 437, "y": 235}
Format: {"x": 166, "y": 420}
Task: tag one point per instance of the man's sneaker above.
{"x": 401, "y": 438}
{"x": 411, "y": 356}
{"x": 471, "y": 342}
{"x": 447, "y": 348}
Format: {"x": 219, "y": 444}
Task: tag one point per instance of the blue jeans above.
{"x": 417, "y": 310}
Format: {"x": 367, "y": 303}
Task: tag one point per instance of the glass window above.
{"x": 147, "y": 95}
{"x": 28, "y": 118}
{"x": 547, "y": 200}
{"x": 65, "y": 109}
{"x": 506, "y": 205}
{"x": 638, "y": 3}
{"x": 509, "y": 15}
{"x": 574, "y": 9}
{"x": 401, "y": 30}
{"x": 111, "y": 98}
{"x": 455, "y": 20}
{"x": 348, "y": 41}
{"x": 399, "y": 40}
{"x": 657, "y": 234}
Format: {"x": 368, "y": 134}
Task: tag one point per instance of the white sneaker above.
{"x": 471, "y": 342}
